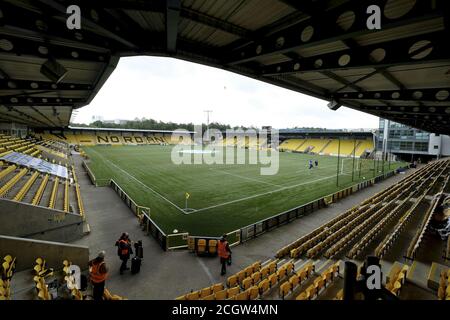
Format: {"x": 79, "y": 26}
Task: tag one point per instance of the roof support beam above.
{"x": 43, "y": 116}
{"x": 436, "y": 123}
{"x": 419, "y": 95}
{"x": 15, "y": 84}
{"x": 46, "y": 27}
{"x": 38, "y": 101}
{"x": 25, "y": 115}
{"x": 324, "y": 29}
{"x": 411, "y": 111}
{"x": 172, "y": 19}
{"x": 98, "y": 21}
{"x": 392, "y": 53}
{"x": 45, "y": 49}
{"x": 8, "y": 116}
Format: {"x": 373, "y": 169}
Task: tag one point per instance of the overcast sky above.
{"x": 173, "y": 90}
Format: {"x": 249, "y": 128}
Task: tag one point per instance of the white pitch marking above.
{"x": 205, "y": 268}
{"x": 140, "y": 182}
{"x": 262, "y": 194}
{"x": 246, "y": 178}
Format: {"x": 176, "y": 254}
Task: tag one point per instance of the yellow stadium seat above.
{"x": 302, "y": 296}
{"x": 281, "y": 273}
{"x": 212, "y": 246}
{"x": 193, "y": 296}
{"x": 256, "y": 266}
{"x": 232, "y": 292}
{"x": 217, "y": 287}
{"x": 248, "y": 271}
{"x": 265, "y": 272}
{"x": 273, "y": 280}
{"x": 220, "y": 295}
{"x": 311, "y": 291}
{"x": 256, "y": 277}
{"x": 241, "y": 276}
{"x": 302, "y": 275}
{"x": 441, "y": 293}
{"x": 247, "y": 283}
{"x": 205, "y": 292}
{"x": 242, "y": 296}
{"x": 285, "y": 288}
{"x": 232, "y": 281}
{"x": 201, "y": 246}
{"x": 294, "y": 280}
{"x": 253, "y": 293}
{"x": 210, "y": 297}
{"x": 328, "y": 277}
{"x": 272, "y": 267}
{"x": 319, "y": 283}
{"x": 264, "y": 286}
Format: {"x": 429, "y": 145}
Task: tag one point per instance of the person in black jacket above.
{"x": 124, "y": 250}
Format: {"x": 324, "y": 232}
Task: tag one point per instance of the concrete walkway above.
{"x": 166, "y": 275}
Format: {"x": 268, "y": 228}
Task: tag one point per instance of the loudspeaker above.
{"x": 334, "y": 105}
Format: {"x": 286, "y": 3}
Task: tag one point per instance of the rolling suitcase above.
{"x": 138, "y": 249}
{"x": 135, "y": 265}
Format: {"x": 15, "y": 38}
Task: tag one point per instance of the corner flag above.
{"x": 186, "y": 197}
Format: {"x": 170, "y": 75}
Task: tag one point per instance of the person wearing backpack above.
{"x": 124, "y": 251}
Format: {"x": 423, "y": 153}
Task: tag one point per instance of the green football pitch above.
{"x": 222, "y": 197}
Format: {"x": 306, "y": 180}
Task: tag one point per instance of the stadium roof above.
{"x": 123, "y": 130}
{"x": 318, "y": 47}
{"x": 325, "y": 133}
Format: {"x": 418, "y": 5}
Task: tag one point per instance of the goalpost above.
{"x": 348, "y": 163}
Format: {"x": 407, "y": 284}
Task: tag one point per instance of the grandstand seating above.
{"x": 328, "y": 146}
{"x": 361, "y": 224}
{"x": 247, "y": 284}
{"x": 84, "y": 139}
{"x": 444, "y": 285}
{"x": 314, "y": 145}
{"x": 42, "y": 272}
{"x": 363, "y": 147}
{"x": 7, "y": 271}
{"x": 70, "y": 281}
{"x": 356, "y": 227}
{"x": 9, "y": 144}
{"x": 292, "y": 144}
{"x": 324, "y": 280}
{"x": 78, "y": 193}
{"x": 30, "y": 186}
{"x": 396, "y": 278}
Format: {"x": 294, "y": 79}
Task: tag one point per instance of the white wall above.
{"x": 445, "y": 145}
{"x": 434, "y": 146}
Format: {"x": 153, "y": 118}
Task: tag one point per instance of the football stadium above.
{"x": 262, "y": 214}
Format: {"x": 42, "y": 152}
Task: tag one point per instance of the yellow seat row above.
{"x": 295, "y": 280}
{"x": 397, "y": 279}
{"x": 203, "y": 293}
{"x": 7, "y": 271}
{"x": 444, "y": 285}
{"x": 71, "y": 282}
{"x": 205, "y": 246}
{"x": 249, "y": 275}
{"x": 78, "y": 193}
{"x": 320, "y": 283}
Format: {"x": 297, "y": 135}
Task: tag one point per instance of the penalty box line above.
{"x": 141, "y": 183}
